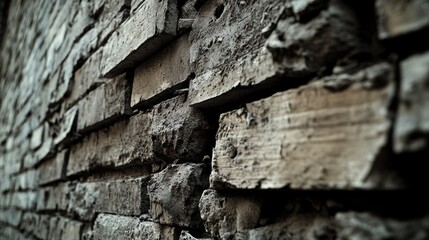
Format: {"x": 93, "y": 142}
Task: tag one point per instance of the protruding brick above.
{"x": 310, "y": 137}
{"x": 174, "y": 194}
{"x": 180, "y": 132}
{"x": 161, "y": 74}
{"x": 151, "y": 27}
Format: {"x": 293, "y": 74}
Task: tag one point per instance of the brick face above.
{"x": 204, "y": 120}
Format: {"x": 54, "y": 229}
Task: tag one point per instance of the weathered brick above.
{"x": 29, "y": 222}
{"x": 412, "y": 124}
{"x": 180, "y": 132}
{"x": 174, "y": 194}
{"x": 107, "y": 102}
{"x": 64, "y": 228}
{"x": 162, "y": 73}
{"x": 10, "y": 216}
{"x": 231, "y": 63}
{"x": 42, "y": 227}
{"x": 87, "y": 77}
{"x": 53, "y": 169}
{"x": 120, "y": 145}
{"x": 225, "y": 214}
{"x": 152, "y": 25}
{"x": 112, "y": 15}
{"x": 310, "y": 137}
{"x": 24, "y": 200}
{"x": 399, "y": 17}
{"x": 26, "y": 180}
{"x": 113, "y": 227}
{"x": 110, "y": 197}
{"x": 54, "y": 197}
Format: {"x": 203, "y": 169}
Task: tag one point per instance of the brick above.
{"x": 107, "y": 102}
{"x": 110, "y": 197}
{"x": 162, "y": 73}
{"x": 64, "y": 228}
{"x": 24, "y": 200}
{"x": 53, "y": 169}
{"x": 42, "y": 227}
{"x": 87, "y": 77}
{"x": 54, "y": 197}
{"x": 174, "y": 194}
{"x": 231, "y": 64}
{"x": 66, "y": 126}
{"x": 29, "y": 222}
{"x": 26, "y": 180}
{"x": 120, "y": 145}
{"x": 113, "y": 226}
{"x": 152, "y": 25}
{"x": 112, "y": 15}
{"x": 224, "y": 214}
{"x": 312, "y": 137}
{"x": 11, "y": 216}
{"x": 399, "y": 17}
{"x": 180, "y": 132}
{"x": 412, "y": 125}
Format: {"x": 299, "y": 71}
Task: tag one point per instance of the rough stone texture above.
{"x": 107, "y": 102}
{"x": 180, "y": 132}
{"x": 109, "y": 197}
{"x": 224, "y": 215}
{"x": 162, "y": 73}
{"x": 87, "y": 77}
{"x": 294, "y": 139}
{"x": 120, "y": 145}
{"x": 400, "y": 17}
{"x": 412, "y": 125}
{"x": 109, "y": 111}
{"x": 53, "y": 169}
{"x": 153, "y": 25}
{"x": 293, "y": 43}
{"x": 174, "y": 194}
{"x": 228, "y": 62}
{"x": 112, "y": 226}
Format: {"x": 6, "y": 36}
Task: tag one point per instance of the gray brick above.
{"x": 161, "y": 73}
{"x": 151, "y": 26}
{"x": 174, "y": 194}
{"x": 107, "y": 102}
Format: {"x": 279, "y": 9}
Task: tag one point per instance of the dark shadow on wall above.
{"x": 4, "y": 9}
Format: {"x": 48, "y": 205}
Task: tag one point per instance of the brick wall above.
{"x": 194, "y": 119}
